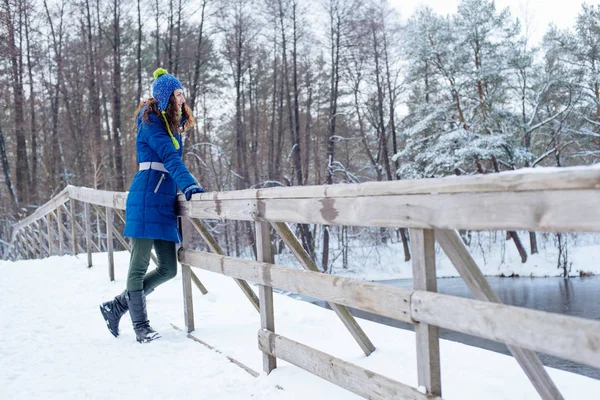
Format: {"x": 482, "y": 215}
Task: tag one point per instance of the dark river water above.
{"x": 579, "y": 297}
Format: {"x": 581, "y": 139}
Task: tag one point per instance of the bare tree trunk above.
{"x": 271, "y": 156}
{"x": 157, "y": 41}
{"x": 392, "y": 101}
{"x": 291, "y": 108}
{"x": 297, "y": 142}
{"x": 533, "y": 243}
{"x": 380, "y": 106}
{"x": 18, "y": 99}
{"x": 33, "y": 177}
{"x": 95, "y": 111}
{"x": 199, "y": 60}
{"x": 335, "y": 44}
{"x": 6, "y": 168}
{"x": 118, "y": 173}
{"x": 253, "y": 129}
{"x": 512, "y": 234}
{"x": 170, "y": 36}
{"x": 178, "y": 39}
{"x": 307, "y": 130}
{"x": 57, "y": 161}
{"x": 139, "y": 53}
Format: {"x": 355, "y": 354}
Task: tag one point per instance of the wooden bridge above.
{"x": 552, "y": 200}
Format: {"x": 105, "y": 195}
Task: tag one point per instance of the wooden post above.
{"x": 30, "y": 243}
{"x": 98, "y": 229}
{"x": 27, "y": 232}
{"x": 21, "y": 247}
{"x": 31, "y": 239}
{"x": 109, "y": 243}
{"x": 59, "y": 232}
{"x": 44, "y": 232}
{"x": 467, "y": 268}
{"x": 88, "y": 232}
{"x": 186, "y": 278}
{"x": 286, "y": 234}
{"x": 73, "y": 222}
{"x": 49, "y": 230}
{"x": 265, "y": 293}
{"x": 422, "y": 243}
{"x": 41, "y": 238}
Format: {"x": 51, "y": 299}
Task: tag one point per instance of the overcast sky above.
{"x": 541, "y": 12}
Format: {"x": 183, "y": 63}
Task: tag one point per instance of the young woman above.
{"x": 151, "y": 220}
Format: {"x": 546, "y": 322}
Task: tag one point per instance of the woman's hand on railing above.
{"x": 190, "y": 190}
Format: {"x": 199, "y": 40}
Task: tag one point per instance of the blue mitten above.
{"x": 190, "y": 190}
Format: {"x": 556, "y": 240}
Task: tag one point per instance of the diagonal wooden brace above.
{"x": 456, "y": 251}
{"x": 286, "y": 234}
{"x": 215, "y": 248}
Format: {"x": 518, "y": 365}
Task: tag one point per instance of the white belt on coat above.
{"x": 153, "y": 165}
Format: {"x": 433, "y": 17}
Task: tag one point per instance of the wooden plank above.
{"x": 368, "y": 296}
{"x": 197, "y": 282}
{"x": 59, "y": 230}
{"x": 267, "y": 316}
{"x": 31, "y": 236}
{"x": 215, "y": 248}
{"x": 81, "y": 230}
{"x": 119, "y": 213}
{"x": 286, "y": 234}
{"x": 22, "y": 245}
{"x": 109, "y": 243}
{"x": 523, "y": 180}
{"x": 75, "y": 245}
{"x": 531, "y": 329}
{"x": 57, "y": 200}
{"x": 186, "y": 278}
{"x": 456, "y": 251}
{"x": 73, "y": 216}
{"x": 25, "y": 246}
{"x": 88, "y": 232}
{"x": 422, "y": 248}
{"x": 363, "y": 382}
{"x": 44, "y": 235}
{"x": 66, "y": 232}
{"x": 103, "y": 198}
{"x": 548, "y": 211}
{"x": 50, "y": 231}
{"x": 40, "y": 238}
{"x": 98, "y": 225}
{"x": 29, "y": 241}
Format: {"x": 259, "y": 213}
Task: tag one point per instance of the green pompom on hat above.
{"x": 159, "y": 72}
{"x": 164, "y": 85}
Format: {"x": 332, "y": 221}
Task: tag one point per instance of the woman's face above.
{"x": 179, "y": 98}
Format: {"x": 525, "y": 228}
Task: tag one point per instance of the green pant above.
{"x": 137, "y": 278}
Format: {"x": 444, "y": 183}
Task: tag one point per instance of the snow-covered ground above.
{"x": 55, "y": 345}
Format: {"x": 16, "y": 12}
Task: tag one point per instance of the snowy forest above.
{"x": 292, "y": 92}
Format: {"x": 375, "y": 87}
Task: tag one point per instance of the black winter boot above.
{"x": 113, "y": 310}
{"x": 139, "y": 317}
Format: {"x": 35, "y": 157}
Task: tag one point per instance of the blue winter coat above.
{"x": 150, "y": 208}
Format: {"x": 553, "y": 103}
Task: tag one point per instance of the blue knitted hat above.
{"x": 164, "y": 85}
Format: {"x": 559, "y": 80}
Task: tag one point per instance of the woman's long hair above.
{"x": 171, "y": 114}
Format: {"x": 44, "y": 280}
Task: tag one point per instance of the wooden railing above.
{"x": 556, "y": 200}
